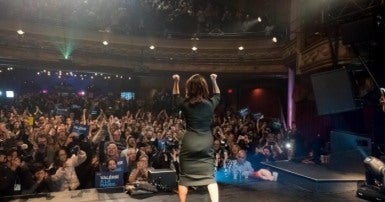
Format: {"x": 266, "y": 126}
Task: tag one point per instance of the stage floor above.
{"x": 259, "y": 191}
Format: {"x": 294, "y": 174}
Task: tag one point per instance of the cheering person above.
{"x": 197, "y": 153}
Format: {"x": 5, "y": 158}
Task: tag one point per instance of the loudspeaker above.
{"x": 334, "y": 92}
{"x": 163, "y": 179}
{"x": 358, "y": 31}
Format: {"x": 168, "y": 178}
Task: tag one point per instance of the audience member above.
{"x": 65, "y": 177}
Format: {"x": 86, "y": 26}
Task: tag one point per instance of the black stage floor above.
{"x": 260, "y": 191}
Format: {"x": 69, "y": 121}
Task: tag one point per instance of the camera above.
{"x": 25, "y": 155}
{"x": 74, "y": 150}
{"x": 223, "y": 144}
{"x": 271, "y": 143}
{"x": 258, "y": 116}
{"x": 171, "y": 144}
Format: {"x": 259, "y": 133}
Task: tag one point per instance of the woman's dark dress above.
{"x": 197, "y": 152}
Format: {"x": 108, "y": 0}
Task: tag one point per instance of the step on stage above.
{"x": 315, "y": 178}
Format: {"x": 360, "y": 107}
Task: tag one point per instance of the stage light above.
{"x": 20, "y": 32}
{"x": 288, "y": 145}
{"x": 105, "y": 43}
{"x": 375, "y": 164}
{"x": 194, "y": 48}
{"x": 374, "y": 172}
{"x": 241, "y": 48}
{"x": 81, "y": 93}
{"x": 259, "y": 19}
{"x": 66, "y": 48}
{"x": 152, "y": 47}
{"x": 274, "y": 39}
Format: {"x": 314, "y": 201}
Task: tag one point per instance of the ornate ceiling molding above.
{"x": 41, "y": 45}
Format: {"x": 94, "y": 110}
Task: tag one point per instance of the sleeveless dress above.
{"x": 197, "y": 152}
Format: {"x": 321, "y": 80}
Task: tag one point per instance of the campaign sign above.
{"x": 108, "y": 179}
{"x": 82, "y": 130}
{"x": 62, "y": 111}
{"x": 122, "y": 164}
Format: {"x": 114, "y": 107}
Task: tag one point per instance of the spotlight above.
{"x": 81, "y": 93}
{"x": 241, "y": 48}
{"x": 288, "y": 145}
{"x": 105, "y": 43}
{"x": 375, "y": 172}
{"x": 152, "y": 47}
{"x": 375, "y": 164}
{"x": 373, "y": 187}
{"x": 259, "y": 19}
{"x": 274, "y": 39}
{"x": 194, "y": 48}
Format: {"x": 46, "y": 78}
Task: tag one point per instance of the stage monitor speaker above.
{"x": 333, "y": 92}
{"x": 348, "y": 151}
{"x": 163, "y": 179}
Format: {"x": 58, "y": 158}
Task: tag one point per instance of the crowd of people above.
{"x": 138, "y": 17}
{"x": 46, "y": 149}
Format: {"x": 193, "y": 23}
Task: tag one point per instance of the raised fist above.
{"x": 213, "y": 76}
{"x": 175, "y": 77}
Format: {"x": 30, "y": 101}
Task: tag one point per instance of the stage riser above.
{"x": 314, "y": 186}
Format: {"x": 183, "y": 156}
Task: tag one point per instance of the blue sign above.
{"x": 82, "y": 130}
{"x": 108, "y": 179}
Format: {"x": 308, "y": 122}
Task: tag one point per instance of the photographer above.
{"x": 221, "y": 154}
{"x": 244, "y": 141}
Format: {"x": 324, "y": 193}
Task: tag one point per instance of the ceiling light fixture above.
{"x": 152, "y": 47}
{"x": 194, "y": 48}
{"x": 241, "y": 48}
{"x": 105, "y": 43}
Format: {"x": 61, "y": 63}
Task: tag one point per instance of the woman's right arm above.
{"x": 215, "y": 85}
{"x": 175, "y": 87}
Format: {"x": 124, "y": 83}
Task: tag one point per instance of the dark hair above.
{"x": 196, "y": 89}
{"x": 36, "y": 167}
{"x": 57, "y": 161}
{"x": 111, "y": 159}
